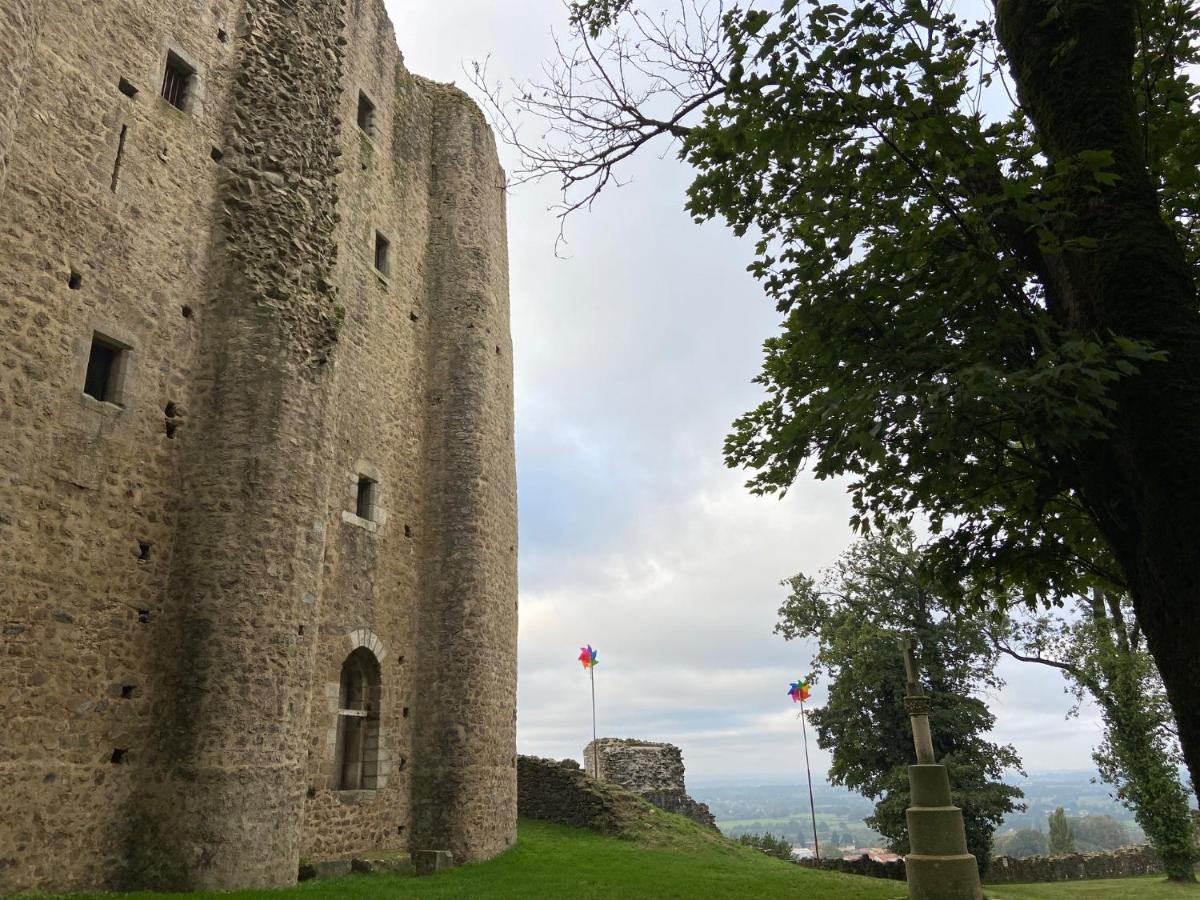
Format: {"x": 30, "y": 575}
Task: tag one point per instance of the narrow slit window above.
{"x": 364, "y": 505}
{"x": 382, "y": 247}
{"x": 366, "y": 114}
{"x": 105, "y": 368}
{"x": 177, "y": 81}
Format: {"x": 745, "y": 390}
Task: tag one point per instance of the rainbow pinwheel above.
{"x": 587, "y": 657}
{"x": 798, "y": 691}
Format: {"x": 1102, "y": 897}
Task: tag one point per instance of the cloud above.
{"x": 633, "y": 356}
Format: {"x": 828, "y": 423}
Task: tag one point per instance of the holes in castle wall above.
{"x": 118, "y": 756}
{"x": 116, "y": 172}
{"x": 222, "y": 35}
{"x": 105, "y": 375}
{"x": 127, "y": 691}
{"x": 143, "y": 616}
{"x": 186, "y": 311}
{"x": 172, "y": 413}
{"x": 405, "y": 712}
{"x": 74, "y": 280}
{"x": 364, "y": 506}
{"x": 382, "y": 254}
{"x": 408, "y": 531}
{"x": 216, "y": 154}
{"x": 126, "y": 87}
{"x": 366, "y": 114}
{"x": 412, "y": 316}
{"x": 144, "y": 551}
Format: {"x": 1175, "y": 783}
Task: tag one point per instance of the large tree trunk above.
{"x": 1074, "y": 74}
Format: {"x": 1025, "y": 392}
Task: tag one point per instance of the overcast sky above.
{"x": 633, "y": 356}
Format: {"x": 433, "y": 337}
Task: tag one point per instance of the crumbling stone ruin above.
{"x": 257, "y": 491}
{"x": 655, "y": 771}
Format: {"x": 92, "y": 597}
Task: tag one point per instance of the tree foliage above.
{"x": 982, "y": 239}
{"x": 779, "y": 847}
{"x": 1098, "y": 833}
{"x": 875, "y": 592}
{"x": 1023, "y": 842}
{"x": 1101, "y": 651}
{"x": 1062, "y": 838}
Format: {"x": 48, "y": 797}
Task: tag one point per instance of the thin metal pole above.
{"x": 595, "y": 749}
{"x": 811, "y": 806}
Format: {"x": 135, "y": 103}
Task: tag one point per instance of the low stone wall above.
{"x": 558, "y": 791}
{"x": 863, "y": 865}
{"x": 1121, "y": 863}
{"x": 1140, "y": 860}
{"x": 679, "y": 802}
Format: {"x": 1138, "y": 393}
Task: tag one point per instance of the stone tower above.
{"x": 257, "y": 488}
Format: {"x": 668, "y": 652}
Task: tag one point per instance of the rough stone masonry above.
{"x": 257, "y": 489}
{"x": 653, "y": 770}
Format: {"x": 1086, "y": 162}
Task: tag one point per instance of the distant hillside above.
{"x": 743, "y": 806}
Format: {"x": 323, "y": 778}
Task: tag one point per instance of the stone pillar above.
{"x": 227, "y": 809}
{"x": 938, "y": 865}
{"x": 464, "y": 732}
{"x": 20, "y": 24}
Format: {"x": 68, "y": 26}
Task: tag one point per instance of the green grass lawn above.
{"x": 1153, "y": 887}
{"x": 670, "y": 858}
{"x": 552, "y": 862}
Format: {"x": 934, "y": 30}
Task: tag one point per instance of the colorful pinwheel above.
{"x": 587, "y": 657}
{"x": 798, "y": 691}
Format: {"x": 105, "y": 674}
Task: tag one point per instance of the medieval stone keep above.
{"x": 257, "y": 490}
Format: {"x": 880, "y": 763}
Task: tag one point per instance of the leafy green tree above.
{"x": 1062, "y": 839}
{"x": 1101, "y": 651}
{"x": 983, "y": 240}
{"x": 1024, "y": 842}
{"x": 1098, "y": 832}
{"x": 778, "y": 847}
{"x": 875, "y": 591}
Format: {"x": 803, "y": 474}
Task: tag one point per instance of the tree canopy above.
{"x": 854, "y": 612}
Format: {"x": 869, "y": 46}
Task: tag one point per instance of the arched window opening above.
{"x": 356, "y": 764}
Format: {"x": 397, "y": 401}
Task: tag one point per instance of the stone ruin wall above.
{"x": 653, "y": 770}
{"x": 182, "y": 575}
{"x": 1123, "y": 862}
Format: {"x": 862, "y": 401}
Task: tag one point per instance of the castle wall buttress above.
{"x": 464, "y": 784}
{"x": 251, "y": 540}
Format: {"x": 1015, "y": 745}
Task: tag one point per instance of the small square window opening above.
{"x": 364, "y": 505}
{"x": 105, "y": 368}
{"x": 382, "y": 246}
{"x": 366, "y": 114}
{"x": 177, "y": 81}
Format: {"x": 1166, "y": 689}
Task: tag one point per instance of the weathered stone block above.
{"x": 427, "y": 862}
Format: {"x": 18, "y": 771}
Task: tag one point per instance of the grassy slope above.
{"x": 551, "y": 862}
{"x": 664, "y": 856}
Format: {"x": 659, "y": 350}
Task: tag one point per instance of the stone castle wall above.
{"x": 653, "y": 770}
{"x": 183, "y": 573}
